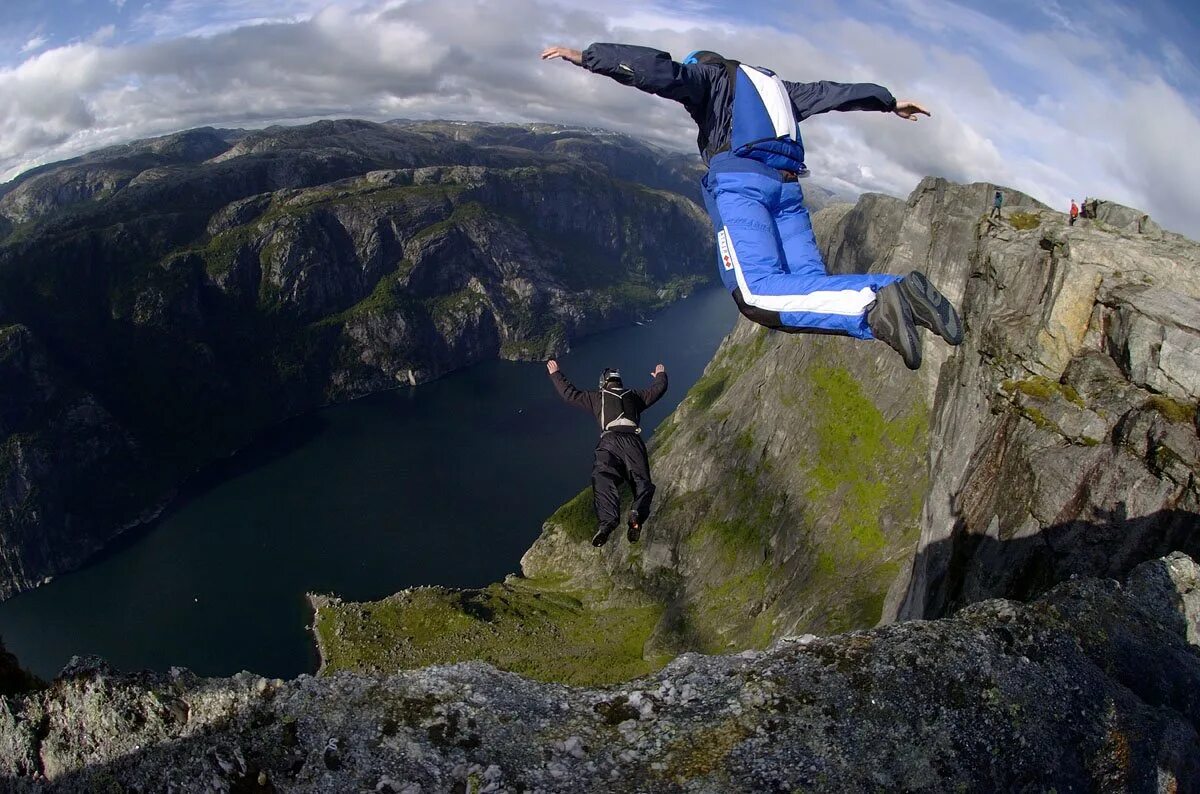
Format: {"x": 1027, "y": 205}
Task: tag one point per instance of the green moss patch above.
{"x": 1172, "y": 410}
{"x": 730, "y": 362}
{"x": 708, "y": 389}
{"x": 1024, "y": 221}
{"x": 856, "y": 446}
{"x": 867, "y": 483}
{"x": 701, "y": 753}
{"x": 524, "y": 626}
{"x": 576, "y": 517}
{"x": 1042, "y": 388}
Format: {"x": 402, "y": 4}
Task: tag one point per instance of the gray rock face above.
{"x": 1064, "y": 439}
{"x": 46, "y": 474}
{"x": 1094, "y": 686}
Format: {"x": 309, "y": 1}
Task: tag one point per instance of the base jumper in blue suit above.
{"x": 767, "y": 255}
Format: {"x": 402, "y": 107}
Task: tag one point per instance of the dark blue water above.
{"x": 447, "y": 483}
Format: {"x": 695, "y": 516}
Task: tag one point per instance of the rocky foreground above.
{"x": 1095, "y": 686}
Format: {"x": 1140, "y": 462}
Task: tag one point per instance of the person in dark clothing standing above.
{"x": 620, "y": 452}
{"x": 997, "y": 203}
{"x": 749, "y": 136}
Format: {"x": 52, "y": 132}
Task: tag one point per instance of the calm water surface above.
{"x": 447, "y": 483}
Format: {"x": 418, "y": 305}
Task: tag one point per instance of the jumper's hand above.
{"x": 909, "y": 110}
{"x": 658, "y": 369}
{"x": 552, "y": 366}
{"x": 566, "y": 53}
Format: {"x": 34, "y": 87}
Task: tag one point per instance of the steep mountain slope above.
{"x": 163, "y": 301}
{"x": 803, "y": 487}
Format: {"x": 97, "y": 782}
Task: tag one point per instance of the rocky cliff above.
{"x": 163, "y": 301}
{"x": 1092, "y": 687}
{"x": 812, "y": 484}
{"x": 1064, "y": 437}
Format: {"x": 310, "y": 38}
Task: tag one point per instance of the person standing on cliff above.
{"x": 1074, "y": 212}
{"x": 997, "y": 203}
{"x": 768, "y": 257}
{"x": 620, "y": 452}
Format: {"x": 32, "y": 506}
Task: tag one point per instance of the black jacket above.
{"x": 590, "y": 400}
{"x": 705, "y": 91}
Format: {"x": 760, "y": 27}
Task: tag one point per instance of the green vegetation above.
{"x": 454, "y": 303}
{"x": 730, "y": 362}
{"x": 1038, "y": 418}
{"x": 222, "y": 250}
{"x": 1172, "y": 410}
{"x": 524, "y": 626}
{"x": 867, "y": 482}
{"x": 576, "y": 517}
{"x": 708, "y": 389}
{"x": 1024, "y": 221}
{"x": 471, "y": 210}
{"x": 855, "y": 446}
{"x": 701, "y": 753}
{"x": 1042, "y": 388}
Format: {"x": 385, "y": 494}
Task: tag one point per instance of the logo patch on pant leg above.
{"x": 726, "y": 249}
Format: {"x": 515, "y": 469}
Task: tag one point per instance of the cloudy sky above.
{"x": 1057, "y": 99}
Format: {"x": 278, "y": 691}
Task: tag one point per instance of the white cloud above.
{"x": 1057, "y": 113}
{"x": 35, "y": 43}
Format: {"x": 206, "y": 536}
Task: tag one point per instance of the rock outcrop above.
{"x": 1064, "y": 438}
{"x": 164, "y": 301}
{"x": 1095, "y": 686}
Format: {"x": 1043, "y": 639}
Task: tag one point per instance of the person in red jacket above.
{"x": 1074, "y": 211}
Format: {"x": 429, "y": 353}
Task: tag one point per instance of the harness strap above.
{"x": 621, "y": 420}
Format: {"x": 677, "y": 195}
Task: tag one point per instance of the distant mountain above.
{"x": 163, "y": 301}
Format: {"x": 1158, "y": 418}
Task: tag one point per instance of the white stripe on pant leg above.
{"x": 845, "y": 302}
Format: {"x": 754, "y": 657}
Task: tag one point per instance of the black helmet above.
{"x": 609, "y": 376}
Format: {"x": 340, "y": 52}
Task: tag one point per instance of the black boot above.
{"x": 635, "y": 527}
{"x": 891, "y": 321}
{"x": 931, "y": 308}
{"x": 601, "y": 536}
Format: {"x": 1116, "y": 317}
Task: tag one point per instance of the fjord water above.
{"x": 447, "y": 483}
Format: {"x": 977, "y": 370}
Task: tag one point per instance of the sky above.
{"x": 1057, "y": 99}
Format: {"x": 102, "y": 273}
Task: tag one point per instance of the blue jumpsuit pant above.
{"x": 766, "y": 249}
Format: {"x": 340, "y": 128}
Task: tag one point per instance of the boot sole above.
{"x": 932, "y": 309}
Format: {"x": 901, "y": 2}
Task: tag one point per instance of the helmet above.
{"x": 703, "y": 56}
{"x": 608, "y": 376}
